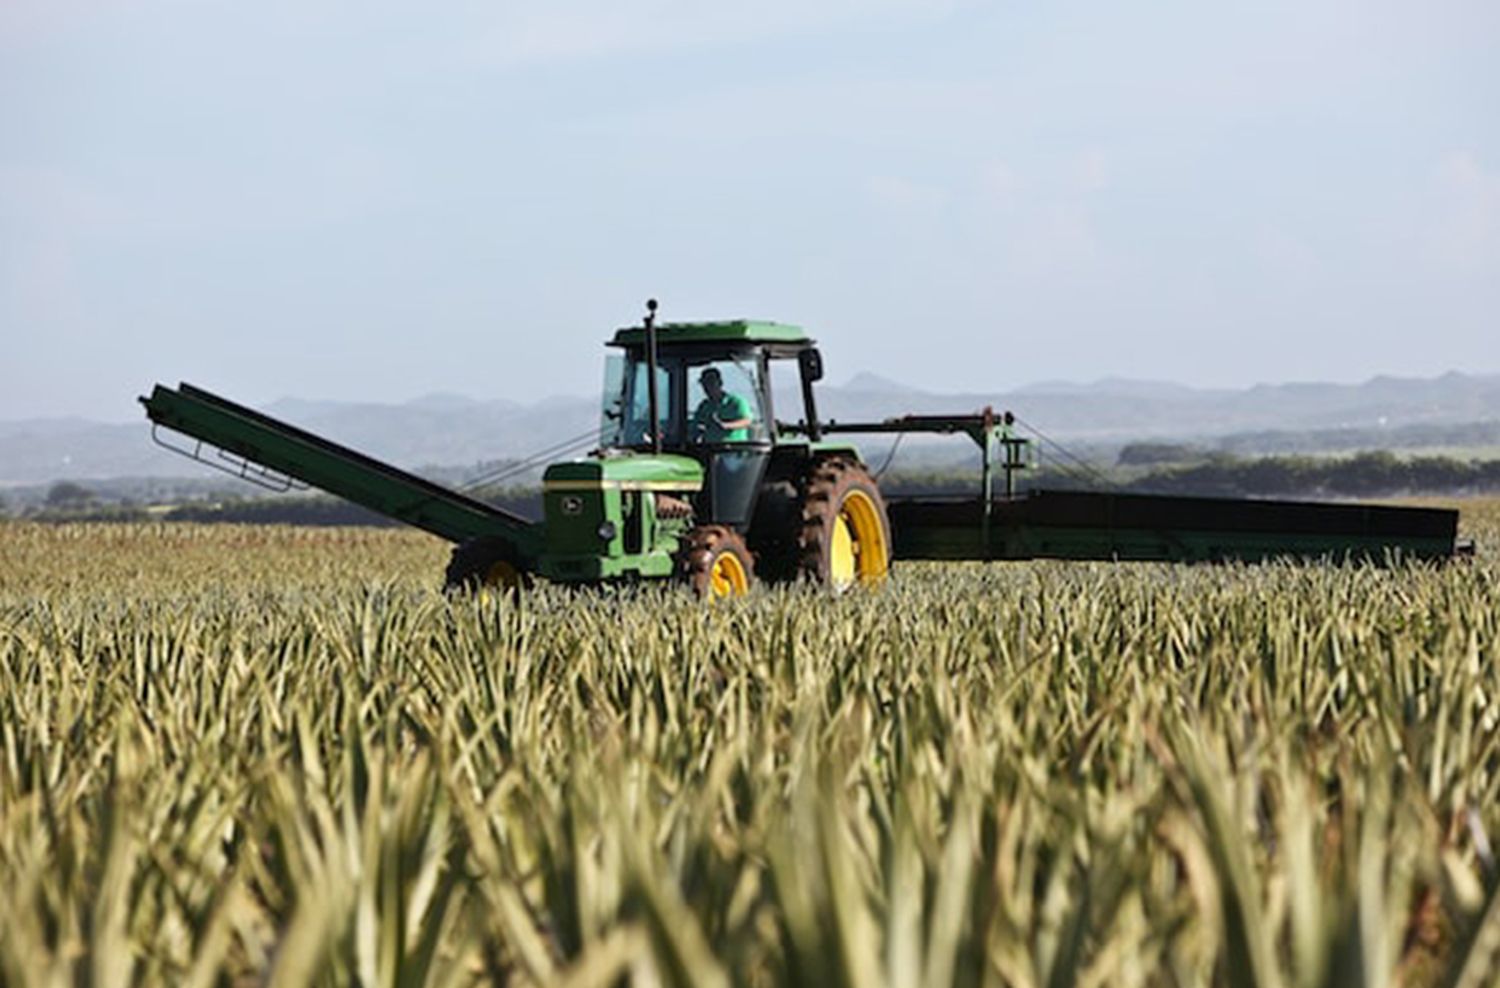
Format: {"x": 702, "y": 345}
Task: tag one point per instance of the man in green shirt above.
{"x": 720, "y": 417}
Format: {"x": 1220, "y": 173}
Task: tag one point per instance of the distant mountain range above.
{"x": 455, "y": 431}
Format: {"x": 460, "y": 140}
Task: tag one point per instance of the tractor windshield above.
{"x": 626, "y": 413}
{"x": 700, "y": 401}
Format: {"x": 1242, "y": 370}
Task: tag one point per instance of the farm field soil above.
{"x": 236, "y": 755}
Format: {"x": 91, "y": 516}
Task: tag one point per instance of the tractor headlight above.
{"x": 606, "y": 531}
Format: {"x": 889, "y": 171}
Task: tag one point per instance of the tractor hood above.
{"x": 633, "y": 472}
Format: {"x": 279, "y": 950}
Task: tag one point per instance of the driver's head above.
{"x": 712, "y": 381}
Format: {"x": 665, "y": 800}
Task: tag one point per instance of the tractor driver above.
{"x": 720, "y": 417}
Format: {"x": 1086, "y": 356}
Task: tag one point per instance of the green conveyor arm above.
{"x": 262, "y": 440}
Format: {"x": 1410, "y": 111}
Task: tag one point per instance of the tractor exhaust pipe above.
{"x": 651, "y": 406}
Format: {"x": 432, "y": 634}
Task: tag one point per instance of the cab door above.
{"x": 729, "y": 424}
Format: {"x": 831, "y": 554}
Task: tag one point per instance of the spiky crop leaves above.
{"x": 266, "y": 755}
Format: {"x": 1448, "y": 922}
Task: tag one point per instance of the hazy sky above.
{"x": 381, "y": 200}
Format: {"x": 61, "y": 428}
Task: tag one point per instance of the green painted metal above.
{"x": 1210, "y": 546}
{"x": 664, "y": 471}
{"x": 830, "y": 447}
{"x": 579, "y": 497}
{"x": 793, "y": 436}
{"x": 260, "y": 439}
{"x": 1105, "y": 526}
{"x": 748, "y": 331}
{"x": 605, "y": 531}
{"x": 1115, "y": 545}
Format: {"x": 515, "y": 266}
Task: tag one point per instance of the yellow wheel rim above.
{"x": 727, "y": 577}
{"x": 842, "y": 562}
{"x": 864, "y": 555}
{"x": 504, "y": 575}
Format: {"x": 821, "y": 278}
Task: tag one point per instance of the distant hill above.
{"x": 453, "y": 430}
{"x": 1115, "y": 409}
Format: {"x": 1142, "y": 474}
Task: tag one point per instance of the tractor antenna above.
{"x": 651, "y": 406}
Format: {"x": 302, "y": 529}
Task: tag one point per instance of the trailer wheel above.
{"x": 487, "y": 561}
{"x": 715, "y": 562}
{"x": 845, "y": 536}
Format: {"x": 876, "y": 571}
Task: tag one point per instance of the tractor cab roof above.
{"x": 731, "y": 331}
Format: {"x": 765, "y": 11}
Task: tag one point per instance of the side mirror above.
{"x": 811, "y": 364}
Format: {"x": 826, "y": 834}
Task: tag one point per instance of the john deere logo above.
{"x": 572, "y": 505}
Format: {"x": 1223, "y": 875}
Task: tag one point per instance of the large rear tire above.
{"x": 487, "y": 561}
{"x": 845, "y": 536}
{"x": 715, "y": 562}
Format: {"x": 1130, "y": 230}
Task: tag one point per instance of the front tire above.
{"x": 487, "y": 561}
{"x": 715, "y": 562}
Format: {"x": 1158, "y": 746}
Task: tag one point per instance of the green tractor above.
{"x": 695, "y": 478}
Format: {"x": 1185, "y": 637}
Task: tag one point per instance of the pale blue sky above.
{"x": 378, "y": 200}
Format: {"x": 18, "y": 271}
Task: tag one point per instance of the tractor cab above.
{"x": 713, "y": 401}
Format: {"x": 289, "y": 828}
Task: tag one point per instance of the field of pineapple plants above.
{"x": 257, "y": 755}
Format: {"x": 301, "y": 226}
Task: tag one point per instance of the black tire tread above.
{"x": 825, "y": 485}
{"x": 702, "y": 546}
{"x": 472, "y": 558}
